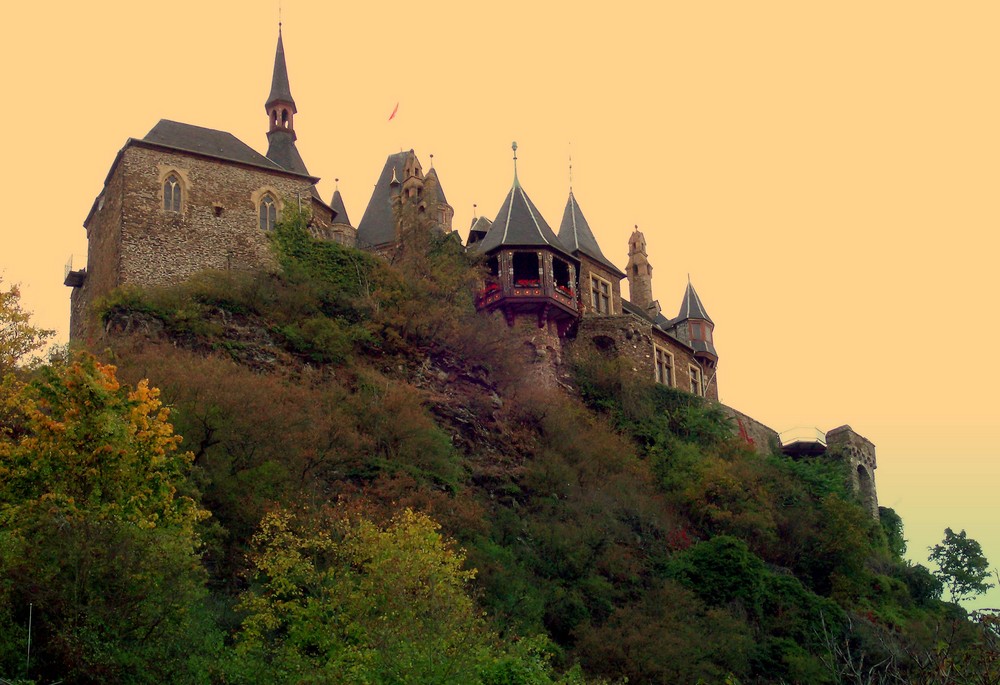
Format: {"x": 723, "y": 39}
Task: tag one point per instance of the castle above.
{"x": 184, "y": 198}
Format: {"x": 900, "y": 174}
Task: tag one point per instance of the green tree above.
{"x": 961, "y": 565}
{"x": 97, "y": 533}
{"x": 17, "y": 336}
{"x": 348, "y": 601}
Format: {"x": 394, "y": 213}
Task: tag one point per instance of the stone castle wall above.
{"x": 634, "y": 338}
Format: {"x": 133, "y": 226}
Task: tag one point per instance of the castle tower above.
{"x": 640, "y": 275}
{"x": 281, "y": 110}
{"x": 859, "y": 454}
{"x": 435, "y": 200}
{"x": 402, "y": 177}
{"x": 694, "y": 327}
{"x": 531, "y": 274}
{"x": 340, "y": 227}
{"x": 599, "y": 281}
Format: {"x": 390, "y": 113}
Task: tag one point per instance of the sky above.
{"x": 826, "y": 173}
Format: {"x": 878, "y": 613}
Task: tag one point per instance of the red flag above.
{"x": 394, "y": 110}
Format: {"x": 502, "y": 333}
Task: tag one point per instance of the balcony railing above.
{"x": 803, "y": 434}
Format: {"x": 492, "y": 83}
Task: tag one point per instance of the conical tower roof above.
{"x": 431, "y": 178}
{"x": 337, "y": 205}
{"x": 575, "y": 233}
{"x": 520, "y": 224}
{"x": 691, "y": 307}
{"x": 280, "y": 91}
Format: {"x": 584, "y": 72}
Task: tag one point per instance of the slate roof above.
{"x": 575, "y": 233}
{"x": 206, "y": 141}
{"x": 337, "y": 205}
{"x": 478, "y": 230}
{"x": 281, "y": 150}
{"x": 520, "y": 224}
{"x": 279, "y": 78}
{"x": 691, "y": 307}
{"x": 378, "y": 225}
{"x": 432, "y": 177}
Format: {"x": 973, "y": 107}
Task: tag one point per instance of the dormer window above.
{"x": 172, "y": 194}
{"x": 268, "y": 213}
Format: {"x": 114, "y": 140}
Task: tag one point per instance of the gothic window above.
{"x": 664, "y": 362}
{"x": 268, "y": 213}
{"x": 600, "y": 295}
{"x": 171, "y": 194}
{"x": 696, "y": 385}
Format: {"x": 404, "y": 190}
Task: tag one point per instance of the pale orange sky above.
{"x": 827, "y": 175}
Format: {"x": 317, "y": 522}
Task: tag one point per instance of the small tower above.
{"x": 640, "y": 275}
{"x": 600, "y": 280}
{"x": 435, "y": 200}
{"x": 343, "y": 232}
{"x": 531, "y": 274}
{"x": 694, "y": 327}
{"x": 281, "y": 110}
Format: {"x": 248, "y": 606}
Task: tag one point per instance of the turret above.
{"x": 531, "y": 274}
{"x": 695, "y": 327}
{"x": 640, "y": 275}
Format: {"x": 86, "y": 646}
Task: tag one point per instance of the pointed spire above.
{"x": 280, "y": 91}
{"x": 576, "y": 234}
{"x": 337, "y": 205}
{"x": 691, "y": 306}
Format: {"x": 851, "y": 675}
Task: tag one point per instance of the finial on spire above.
{"x": 513, "y": 146}
{"x": 336, "y": 184}
{"x": 279, "y": 16}
{"x": 475, "y": 208}
{"x": 571, "y": 169}
{"x": 689, "y": 279}
{"x": 432, "y": 160}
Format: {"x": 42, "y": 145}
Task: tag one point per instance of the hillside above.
{"x": 339, "y": 407}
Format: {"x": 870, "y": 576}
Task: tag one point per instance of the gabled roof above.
{"x": 378, "y": 225}
{"x": 480, "y": 227}
{"x": 575, "y": 233}
{"x": 520, "y": 224}
{"x": 691, "y": 307}
{"x": 337, "y": 205}
{"x": 209, "y": 142}
{"x": 281, "y": 150}
{"x": 279, "y": 78}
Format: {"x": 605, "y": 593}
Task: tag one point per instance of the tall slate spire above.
{"x": 281, "y": 111}
{"x": 280, "y": 91}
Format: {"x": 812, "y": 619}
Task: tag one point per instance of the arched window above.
{"x": 171, "y": 194}
{"x": 268, "y": 213}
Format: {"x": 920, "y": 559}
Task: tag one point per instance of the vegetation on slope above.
{"x": 362, "y": 474}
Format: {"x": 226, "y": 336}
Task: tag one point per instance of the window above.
{"x": 696, "y": 385}
{"x": 172, "y": 194}
{"x": 560, "y": 275}
{"x": 664, "y": 362}
{"x": 600, "y": 295}
{"x": 268, "y": 213}
{"x": 700, "y": 330}
{"x": 526, "y": 271}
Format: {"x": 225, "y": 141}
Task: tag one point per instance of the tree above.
{"x": 961, "y": 565}
{"x": 338, "y": 598}
{"x": 17, "y": 336}
{"x": 97, "y": 532}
